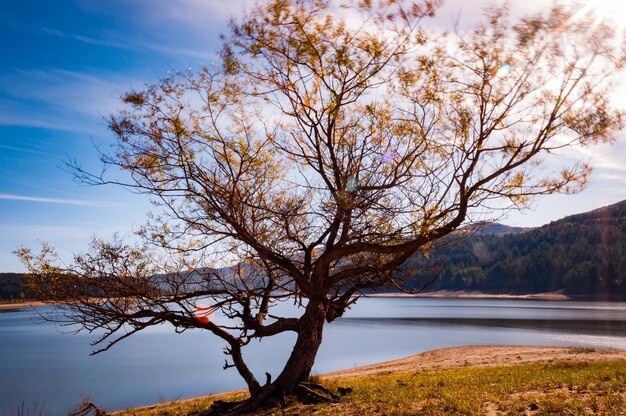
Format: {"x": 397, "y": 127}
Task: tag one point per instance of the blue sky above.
{"x": 65, "y": 63}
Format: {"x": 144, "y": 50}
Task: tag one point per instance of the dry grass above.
{"x": 561, "y": 387}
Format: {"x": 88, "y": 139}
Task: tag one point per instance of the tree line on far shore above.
{"x": 11, "y": 286}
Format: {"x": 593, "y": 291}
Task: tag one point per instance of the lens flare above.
{"x": 598, "y": 12}
{"x": 613, "y": 11}
{"x": 202, "y": 314}
{"x": 388, "y": 157}
{"x": 503, "y": 71}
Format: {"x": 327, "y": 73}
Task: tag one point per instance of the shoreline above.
{"x": 464, "y": 294}
{"x": 22, "y": 304}
{"x": 473, "y": 356}
{"x": 461, "y": 294}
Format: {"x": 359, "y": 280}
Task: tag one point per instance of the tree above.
{"x": 322, "y": 154}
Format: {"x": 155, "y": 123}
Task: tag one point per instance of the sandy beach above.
{"x": 481, "y": 356}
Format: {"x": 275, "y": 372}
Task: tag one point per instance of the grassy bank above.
{"x": 560, "y": 387}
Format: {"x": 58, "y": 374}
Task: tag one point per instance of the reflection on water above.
{"x": 45, "y": 368}
{"x": 591, "y": 327}
{"x": 10, "y": 310}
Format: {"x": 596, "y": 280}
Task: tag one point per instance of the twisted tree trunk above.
{"x": 300, "y": 362}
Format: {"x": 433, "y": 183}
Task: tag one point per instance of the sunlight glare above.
{"x": 609, "y": 11}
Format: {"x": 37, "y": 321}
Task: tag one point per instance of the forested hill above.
{"x": 584, "y": 255}
{"x": 11, "y": 286}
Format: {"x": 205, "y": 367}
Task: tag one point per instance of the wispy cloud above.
{"x": 13, "y": 118}
{"x": 81, "y": 202}
{"x": 55, "y": 32}
{"x": 607, "y": 156}
{"x": 195, "y": 12}
{"x": 614, "y": 177}
{"x": 23, "y": 149}
{"x": 46, "y": 86}
{"x": 88, "y": 39}
{"x": 154, "y": 46}
{"x": 61, "y": 100}
{"x": 137, "y": 45}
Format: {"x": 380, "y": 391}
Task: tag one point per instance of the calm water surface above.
{"x": 50, "y": 371}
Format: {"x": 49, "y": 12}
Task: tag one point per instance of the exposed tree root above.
{"x": 221, "y": 407}
{"x": 305, "y": 393}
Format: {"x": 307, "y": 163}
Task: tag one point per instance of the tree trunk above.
{"x": 298, "y": 367}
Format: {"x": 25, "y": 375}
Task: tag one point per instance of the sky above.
{"x": 64, "y": 65}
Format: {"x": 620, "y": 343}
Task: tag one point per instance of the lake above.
{"x": 48, "y": 370}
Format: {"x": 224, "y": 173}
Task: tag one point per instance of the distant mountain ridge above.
{"x": 583, "y": 255}
{"x": 494, "y": 228}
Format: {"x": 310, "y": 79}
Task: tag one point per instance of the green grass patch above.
{"x": 564, "y": 388}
